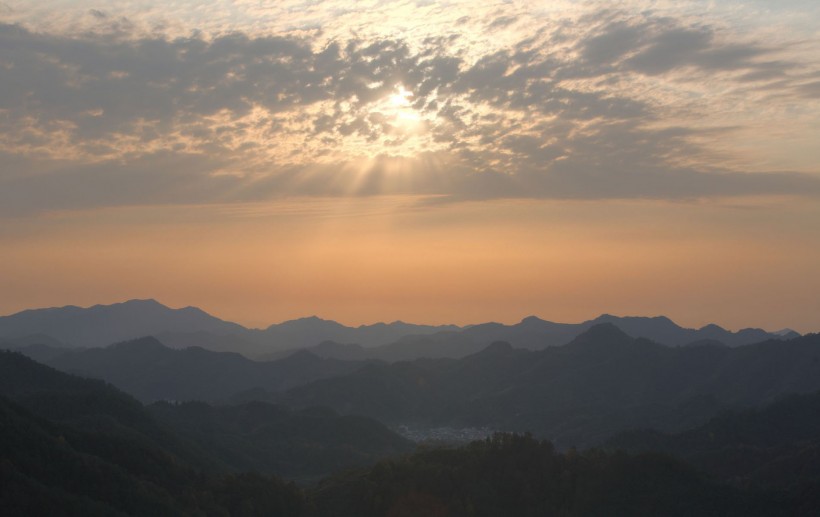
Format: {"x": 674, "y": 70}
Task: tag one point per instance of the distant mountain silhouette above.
{"x": 284, "y": 338}
{"x": 536, "y": 334}
{"x": 305, "y": 332}
{"x": 102, "y": 325}
{"x": 329, "y": 350}
{"x": 151, "y": 371}
{"x": 601, "y": 382}
{"x": 663, "y": 330}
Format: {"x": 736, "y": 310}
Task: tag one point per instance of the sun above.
{"x": 398, "y": 125}
{"x": 399, "y": 108}
{"x": 401, "y": 99}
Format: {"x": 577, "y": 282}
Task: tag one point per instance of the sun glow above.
{"x": 403, "y": 116}
{"x": 401, "y": 99}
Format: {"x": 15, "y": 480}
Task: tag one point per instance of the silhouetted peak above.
{"x": 143, "y": 343}
{"x": 604, "y": 316}
{"x": 606, "y": 334}
{"x": 330, "y": 345}
{"x": 142, "y": 301}
{"x": 754, "y": 330}
{"x": 531, "y": 320}
{"x": 787, "y": 333}
{"x": 190, "y": 309}
{"x": 490, "y": 325}
{"x": 308, "y": 322}
{"x": 135, "y": 304}
{"x": 302, "y": 357}
{"x": 497, "y": 348}
{"x": 657, "y": 320}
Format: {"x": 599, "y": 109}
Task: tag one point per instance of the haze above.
{"x": 437, "y": 162}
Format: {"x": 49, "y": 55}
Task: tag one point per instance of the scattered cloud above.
{"x": 506, "y": 103}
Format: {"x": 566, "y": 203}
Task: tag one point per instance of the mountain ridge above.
{"x": 601, "y": 382}
{"x": 101, "y": 325}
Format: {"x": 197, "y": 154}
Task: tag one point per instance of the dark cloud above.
{"x": 810, "y": 90}
{"x": 159, "y": 178}
{"x": 502, "y": 21}
{"x": 611, "y": 44}
{"x": 659, "y": 46}
{"x": 670, "y": 49}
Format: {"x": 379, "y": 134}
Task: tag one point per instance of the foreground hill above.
{"x": 602, "y": 382}
{"x": 150, "y": 371}
{"x": 777, "y": 446}
{"x": 50, "y": 468}
{"x": 170, "y": 452}
{"x": 521, "y": 476}
{"x": 303, "y": 445}
{"x": 73, "y": 446}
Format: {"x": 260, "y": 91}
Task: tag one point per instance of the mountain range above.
{"x": 78, "y": 447}
{"x": 703, "y": 425}
{"x": 77, "y": 423}
{"x": 602, "y": 382}
{"x": 577, "y": 394}
{"x": 102, "y": 325}
{"x": 150, "y": 371}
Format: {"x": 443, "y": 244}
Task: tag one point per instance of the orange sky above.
{"x": 435, "y": 162}
{"x": 384, "y": 259}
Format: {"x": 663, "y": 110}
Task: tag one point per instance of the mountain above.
{"x": 150, "y": 371}
{"x": 10, "y": 343}
{"x": 536, "y": 334}
{"x": 101, "y": 325}
{"x": 73, "y": 446}
{"x": 76, "y": 446}
{"x": 663, "y": 330}
{"x": 86, "y": 403}
{"x": 602, "y": 382}
{"x": 308, "y": 332}
{"x": 329, "y": 350}
{"x": 43, "y": 353}
{"x": 51, "y": 469}
{"x": 303, "y": 445}
{"x": 776, "y": 446}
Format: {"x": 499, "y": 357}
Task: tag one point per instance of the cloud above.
{"x": 610, "y": 104}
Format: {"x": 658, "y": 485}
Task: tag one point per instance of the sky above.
{"x": 434, "y": 162}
